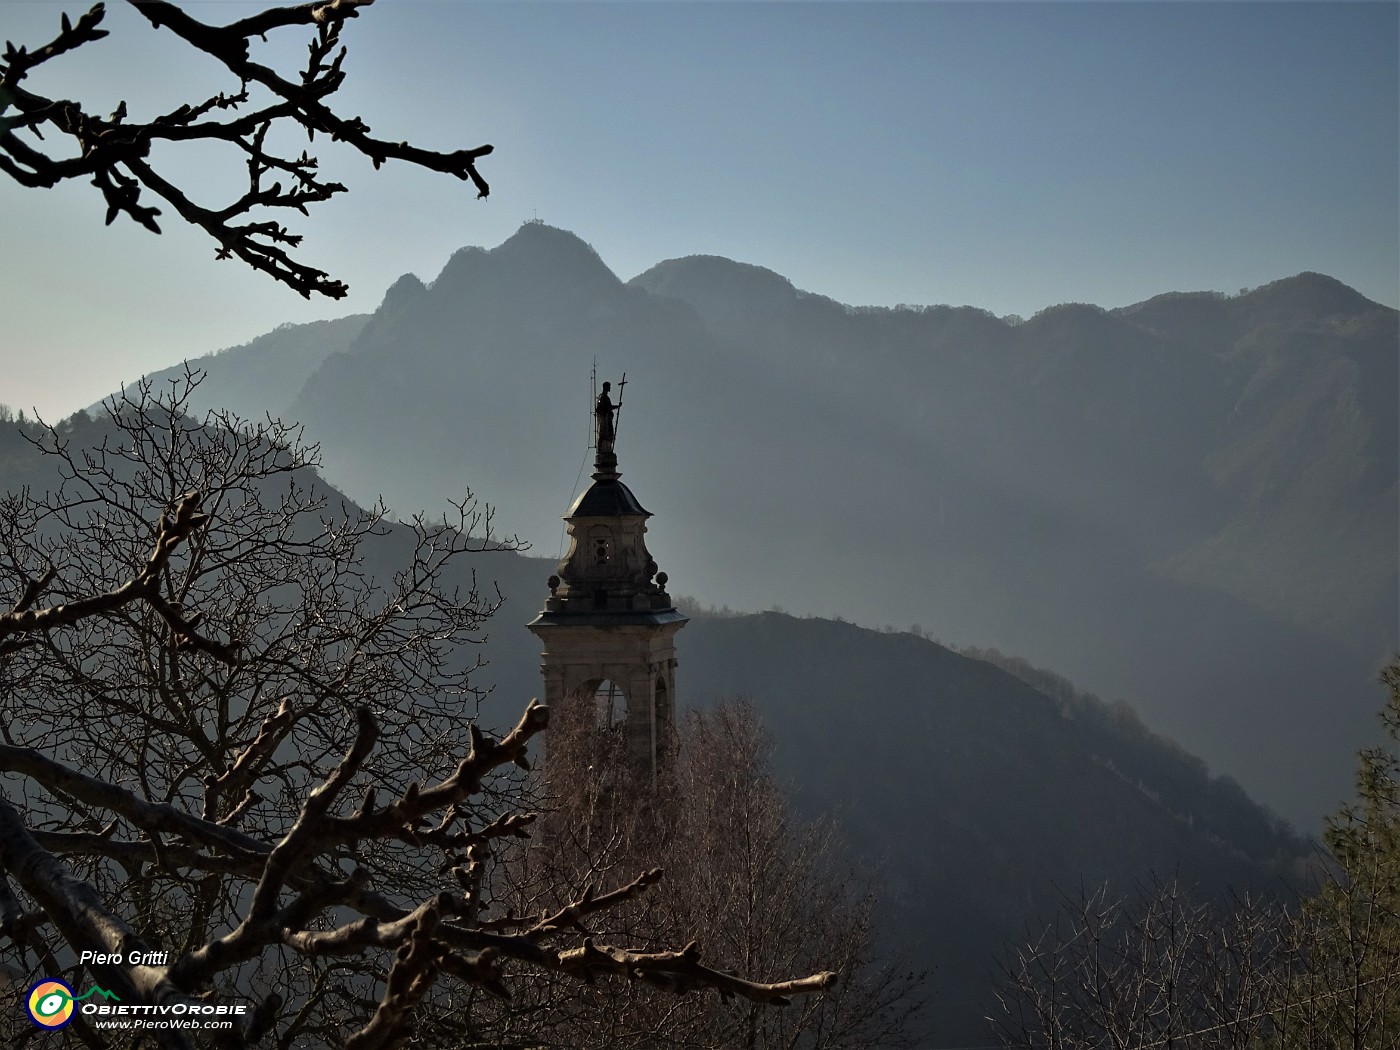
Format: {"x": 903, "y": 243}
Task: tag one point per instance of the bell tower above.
{"x": 608, "y": 626}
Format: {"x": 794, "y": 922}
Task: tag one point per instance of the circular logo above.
{"x": 51, "y": 1004}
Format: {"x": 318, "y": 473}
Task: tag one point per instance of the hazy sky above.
{"x": 1010, "y": 156}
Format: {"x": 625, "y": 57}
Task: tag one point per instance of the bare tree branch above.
{"x": 115, "y": 152}
{"x": 175, "y": 528}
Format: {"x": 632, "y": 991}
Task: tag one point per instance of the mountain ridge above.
{"x": 1086, "y": 488}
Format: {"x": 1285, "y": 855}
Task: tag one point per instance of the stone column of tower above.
{"x": 608, "y": 623}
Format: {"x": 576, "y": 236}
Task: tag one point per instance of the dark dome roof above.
{"x": 608, "y": 498}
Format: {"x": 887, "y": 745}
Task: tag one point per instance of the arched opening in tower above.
{"x": 609, "y": 705}
{"x": 662, "y": 703}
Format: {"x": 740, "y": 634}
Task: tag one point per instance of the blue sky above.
{"x": 1006, "y": 155}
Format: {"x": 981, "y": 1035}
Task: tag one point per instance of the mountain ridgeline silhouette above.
{"x": 1189, "y": 502}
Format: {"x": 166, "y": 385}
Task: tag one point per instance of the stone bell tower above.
{"x": 608, "y": 626}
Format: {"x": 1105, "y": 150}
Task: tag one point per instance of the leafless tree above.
{"x": 1158, "y": 969}
{"x": 118, "y": 152}
{"x": 1162, "y": 970}
{"x": 762, "y": 890}
{"x": 205, "y": 660}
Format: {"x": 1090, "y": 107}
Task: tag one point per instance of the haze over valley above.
{"x": 1188, "y": 503}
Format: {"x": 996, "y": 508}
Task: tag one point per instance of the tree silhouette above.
{"x": 115, "y": 152}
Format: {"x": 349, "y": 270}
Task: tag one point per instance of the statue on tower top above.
{"x": 603, "y": 414}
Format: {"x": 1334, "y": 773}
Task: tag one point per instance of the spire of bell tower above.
{"x": 609, "y": 623}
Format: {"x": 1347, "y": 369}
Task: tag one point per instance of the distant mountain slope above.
{"x": 256, "y": 378}
{"x": 1190, "y": 502}
{"x": 1250, "y": 442}
{"x": 982, "y": 798}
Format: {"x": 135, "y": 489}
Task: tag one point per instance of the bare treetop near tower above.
{"x": 115, "y": 153}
